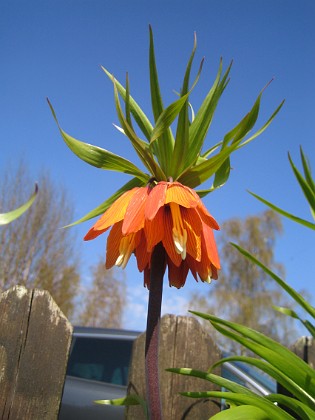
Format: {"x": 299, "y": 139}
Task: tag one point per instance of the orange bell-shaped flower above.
{"x": 167, "y": 212}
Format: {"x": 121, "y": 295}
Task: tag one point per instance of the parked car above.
{"x": 98, "y": 369}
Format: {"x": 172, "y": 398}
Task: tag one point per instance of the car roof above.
{"x": 79, "y": 331}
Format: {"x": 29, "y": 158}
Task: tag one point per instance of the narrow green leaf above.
{"x": 218, "y": 380}
{"x": 129, "y": 400}
{"x": 306, "y": 188}
{"x": 222, "y": 174}
{"x": 302, "y": 411}
{"x": 289, "y": 312}
{"x": 200, "y": 126}
{"x": 127, "y": 104}
{"x": 10, "y": 216}
{"x": 166, "y": 118}
{"x": 142, "y": 150}
{"x": 274, "y": 353}
{"x": 274, "y": 412}
{"x": 307, "y": 171}
{"x": 244, "y": 126}
{"x": 198, "y": 174}
{"x": 182, "y": 132}
{"x": 285, "y": 213}
{"x": 275, "y": 373}
{"x": 263, "y": 128}
{"x": 286, "y": 311}
{"x": 135, "y": 182}
{"x": 139, "y": 116}
{"x": 98, "y": 157}
{"x": 242, "y": 412}
{"x": 165, "y": 143}
{"x": 293, "y": 293}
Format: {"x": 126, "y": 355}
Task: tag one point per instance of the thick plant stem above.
{"x": 152, "y": 334}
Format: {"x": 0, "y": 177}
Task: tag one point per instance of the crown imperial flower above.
{"x": 166, "y": 212}
{"x": 144, "y": 213}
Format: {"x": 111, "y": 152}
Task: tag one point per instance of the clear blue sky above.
{"x": 55, "y": 49}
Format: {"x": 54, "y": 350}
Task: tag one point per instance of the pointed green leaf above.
{"x": 127, "y": 103}
{"x": 275, "y": 373}
{"x": 142, "y": 149}
{"x": 199, "y": 127}
{"x": 307, "y": 171}
{"x": 218, "y": 380}
{"x": 242, "y": 412}
{"x": 274, "y": 353}
{"x": 306, "y": 188}
{"x": 198, "y": 174}
{"x": 289, "y": 312}
{"x": 263, "y": 128}
{"x": 98, "y": 157}
{"x": 165, "y": 143}
{"x": 139, "y": 116}
{"x": 166, "y": 118}
{"x": 301, "y": 410}
{"x": 182, "y": 132}
{"x": 135, "y": 182}
{"x": 293, "y": 293}
{"x": 285, "y": 213}
{"x": 8, "y": 217}
{"x": 274, "y": 412}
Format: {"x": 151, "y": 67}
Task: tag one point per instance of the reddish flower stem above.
{"x": 152, "y": 333}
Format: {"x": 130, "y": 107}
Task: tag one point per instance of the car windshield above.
{"x": 101, "y": 360}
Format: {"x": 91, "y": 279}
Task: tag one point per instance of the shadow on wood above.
{"x": 182, "y": 343}
{"x": 34, "y": 343}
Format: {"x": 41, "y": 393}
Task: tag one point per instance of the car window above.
{"x": 105, "y": 360}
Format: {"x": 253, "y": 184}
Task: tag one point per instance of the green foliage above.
{"x": 274, "y": 359}
{"x": 163, "y": 154}
{"x": 244, "y": 291}
{"x": 10, "y": 216}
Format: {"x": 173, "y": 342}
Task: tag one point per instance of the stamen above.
{"x": 178, "y": 231}
{"x": 126, "y": 247}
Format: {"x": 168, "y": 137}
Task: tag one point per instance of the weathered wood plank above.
{"x": 183, "y": 343}
{"x": 34, "y": 343}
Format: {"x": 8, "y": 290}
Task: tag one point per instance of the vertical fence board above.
{"x": 183, "y": 343}
{"x": 34, "y": 343}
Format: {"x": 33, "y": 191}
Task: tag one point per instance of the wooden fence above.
{"x": 34, "y": 343}
{"x": 35, "y": 339}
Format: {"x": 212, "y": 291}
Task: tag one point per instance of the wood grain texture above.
{"x": 35, "y": 339}
{"x": 183, "y": 343}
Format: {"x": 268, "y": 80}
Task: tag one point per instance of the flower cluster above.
{"x": 166, "y": 212}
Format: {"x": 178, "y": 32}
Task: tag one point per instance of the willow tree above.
{"x": 104, "y": 301}
{"x": 244, "y": 293}
{"x": 34, "y": 250}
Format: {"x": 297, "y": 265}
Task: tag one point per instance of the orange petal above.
{"x": 134, "y": 215}
{"x": 177, "y": 275}
{"x": 155, "y": 200}
{"x": 193, "y": 226}
{"x": 206, "y": 216}
{"x": 116, "y": 211}
{"x": 154, "y": 230}
{"x": 168, "y": 241}
{"x": 177, "y": 193}
{"x": 92, "y": 233}
{"x": 142, "y": 255}
{"x": 113, "y": 242}
{"x": 210, "y": 246}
